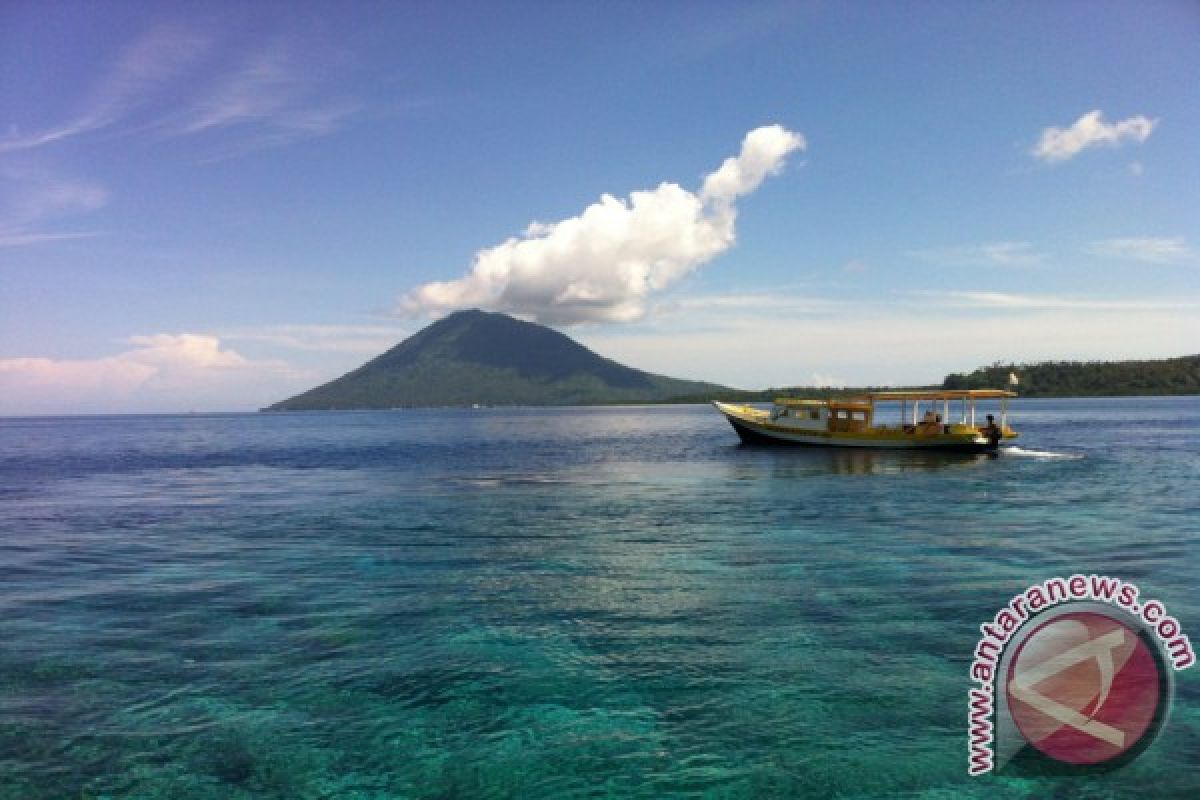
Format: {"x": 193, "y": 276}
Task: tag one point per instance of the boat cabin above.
{"x": 920, "y": 412}
{"x": 845, "y": 416}
{"x": 850, "y": 416}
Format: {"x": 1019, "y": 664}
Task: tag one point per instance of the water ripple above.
{"x": 549, "y": 603}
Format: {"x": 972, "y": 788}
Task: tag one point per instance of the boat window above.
{"x": 814, "y": 414}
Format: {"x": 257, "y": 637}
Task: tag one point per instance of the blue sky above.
{"x": 215, "y": 206}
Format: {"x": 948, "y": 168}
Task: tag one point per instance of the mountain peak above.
{"x": 490, "y": 358}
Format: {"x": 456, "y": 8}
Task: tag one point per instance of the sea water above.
{"x": 581, "y": 602}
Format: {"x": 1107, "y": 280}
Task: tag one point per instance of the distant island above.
{"x": 1168, "y": 376}
{"x": 489, "y": 359}
{"x": 481, "y": 358}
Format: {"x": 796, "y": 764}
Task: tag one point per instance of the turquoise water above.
{"x": 617, "y": 602}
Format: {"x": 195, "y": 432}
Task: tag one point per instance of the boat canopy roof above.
{"x": 799, "y": 401}
{"x": 850, "y": 403}
{"x": 942, "y": 394}
{"x": 867, "y": 400}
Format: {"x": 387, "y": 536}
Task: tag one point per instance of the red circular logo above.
{"x": 1084, "y": 688}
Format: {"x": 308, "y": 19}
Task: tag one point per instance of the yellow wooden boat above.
{"x": 924, "y": 421}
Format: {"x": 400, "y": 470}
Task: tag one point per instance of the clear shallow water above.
{"x": 552, "y": 603}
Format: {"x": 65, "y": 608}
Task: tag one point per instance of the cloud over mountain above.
{"x": 602, "y": 265}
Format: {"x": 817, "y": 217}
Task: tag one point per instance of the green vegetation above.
{"x": 1089, "y": 378}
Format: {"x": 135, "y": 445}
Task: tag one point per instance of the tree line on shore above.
{"x": 1169, "y": 376}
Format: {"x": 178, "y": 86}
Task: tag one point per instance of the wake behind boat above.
{"x": 851, "y": 422}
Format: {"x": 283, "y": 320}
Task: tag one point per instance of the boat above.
{"x": 924, "y": 420}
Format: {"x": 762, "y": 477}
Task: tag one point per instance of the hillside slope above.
{"x": 476, "y": 357}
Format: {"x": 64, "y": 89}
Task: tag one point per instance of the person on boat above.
{"x": 992, "y": 432}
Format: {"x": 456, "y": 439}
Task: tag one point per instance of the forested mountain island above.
{"x": 482, "y": 358}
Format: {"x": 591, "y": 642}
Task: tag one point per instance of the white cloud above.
{"x": 140, "y": 70}
{"x": 1090, "y": 130}
{"x": 258, "y": 89}
{"x": 604, "y": 264}
{"x": 1000, "y": 254}
{"x": 161, "y": 372}
{"x": 9, "y": 238}
{"x": 1006, "y": 301}
{"x": 270, "y": 94}
{"x": 188, "y": 351}
{"x": 1151, "y": 249}
{"x": 763, "y": 153}
{"x": 368, "y": 340}
{"x": 691, "y": 310}
{"x": 32, "y": 199}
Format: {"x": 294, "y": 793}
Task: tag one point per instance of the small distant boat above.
{"x": 924, "y": 421}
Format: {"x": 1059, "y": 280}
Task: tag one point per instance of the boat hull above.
{"x": 759, "y": 430}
